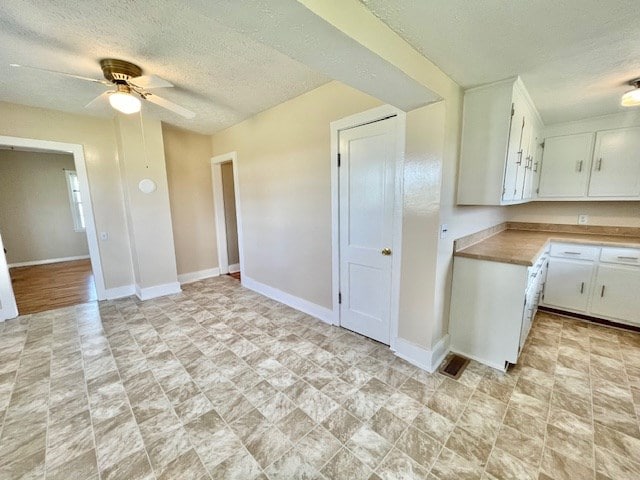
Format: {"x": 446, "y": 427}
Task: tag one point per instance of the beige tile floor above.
{"x": 219, "y": 382}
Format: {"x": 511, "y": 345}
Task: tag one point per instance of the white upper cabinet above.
{"x": 567, "y": 161}
{"x": 616, "y": 164}
{"x": 532, "y": 179}
{"x": 601, "y": 165}
{"x": 500, "y": 136}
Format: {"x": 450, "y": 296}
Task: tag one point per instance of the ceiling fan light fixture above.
{"x": 632, "y": 97}
{"x": 124, "y": 101}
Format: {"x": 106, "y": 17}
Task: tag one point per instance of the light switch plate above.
{"x": 583, "y": 219}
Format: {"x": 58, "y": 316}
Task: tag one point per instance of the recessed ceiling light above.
{"x": 632, "y": 97}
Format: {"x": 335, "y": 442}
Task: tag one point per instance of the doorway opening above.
{"x": 48, "y": 244}
{"x": 43, "y": 227}
{"x": 367, "y": 173}
{"x": 227, "y": 215}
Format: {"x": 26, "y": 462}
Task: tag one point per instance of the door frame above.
{"x": 218, "y": 210}
{"x": 362, "y": 118}
{"x": 77, "y": 150}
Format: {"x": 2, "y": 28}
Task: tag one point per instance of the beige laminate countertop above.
{"x": 523, "y": 247}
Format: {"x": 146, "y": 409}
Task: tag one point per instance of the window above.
{"x": 75, "y": 200}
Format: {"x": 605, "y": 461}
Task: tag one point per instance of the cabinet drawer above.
{"x": 627, "y": 256}
{"x": 572, "y": 250}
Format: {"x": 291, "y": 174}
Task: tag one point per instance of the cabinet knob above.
{"x": 385, "y": 251}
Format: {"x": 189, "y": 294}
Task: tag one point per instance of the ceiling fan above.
{"x": 127, "y": 86}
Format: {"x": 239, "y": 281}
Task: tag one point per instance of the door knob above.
{"x": 386, "y": 251}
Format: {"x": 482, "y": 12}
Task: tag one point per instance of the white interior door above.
{"x": 367, "y": 182}
{"x": 8, "y": 308}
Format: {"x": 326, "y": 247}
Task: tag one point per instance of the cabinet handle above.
{"x": 621, "y": 257}
{"x": 579, "y": 165}
{"x": 572, "y": 253}
{"x": 519, "y": 162}
{"x": 602, "y": 291}
{"x": 582, "y": 288}
{"x": 535, "y": 167}
{"x": 599, "y": 164}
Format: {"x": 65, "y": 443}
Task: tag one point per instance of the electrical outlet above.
{"x": 583, "y": 219}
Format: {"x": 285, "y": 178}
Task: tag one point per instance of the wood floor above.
{"x": 45, "y": 287}
{"x": 235, "y": 275}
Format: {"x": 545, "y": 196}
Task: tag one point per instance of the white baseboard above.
{"x": 235, "y": 268}
{"x": 421, "y": 357}
{"x": 47, "y": 261}
{"x": 119, "y": 292}
{"x": 310, "y": 308}
{"x": 157, "y": 290}
{"x": 191, "y": 277}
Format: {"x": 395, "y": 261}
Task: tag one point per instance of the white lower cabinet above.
{"x": 493, "y": 304}
{"x": 492, "y": 308}
{"x": 617, "y": 293}
{"x": 568, "y": 284}
{"x": 603, "y": 283}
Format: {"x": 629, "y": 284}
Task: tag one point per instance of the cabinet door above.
{"x": 616, "y": 164}
{"x": 514, "y": 151}
{"x": 565, "y": 166}
{"x": 616, "y": 293}
{"x": 568, "y": 284}
{"x": 532, "y": 173}
{"x": 523, "y": 162}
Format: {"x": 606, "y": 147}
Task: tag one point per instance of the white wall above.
{"x": 35, "y": 213}
{"x": 188, "y": 158}
{"x": 141, "y": 156}
{"x": 285, "y": 188}
{"x": 133, "y": 223}
{"x": 97, "y": 136}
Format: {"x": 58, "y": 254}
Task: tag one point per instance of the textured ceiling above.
{"x": 575, "y": 56}
{"x": 222, "y": 75}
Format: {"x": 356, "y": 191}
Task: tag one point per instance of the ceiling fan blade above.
{"x": 94, "y": 80}
{"x": 147, "y": 82}
{"x": 102, "y": 98}
{"x": 161, "y": 102}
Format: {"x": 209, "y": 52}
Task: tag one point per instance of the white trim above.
{"x": 235, "y": 268}
{"x": 369, "y": 116}
{"x": 191, "y": 277}
{"x": 421, "y": 357}
{"x": 310, "y": 308}
{"x": 157, "y": 290}
{"x": 8, "y": 307}
{"x": 218, "y": 205}
{"x": 48, "y": 261}
{"x": 120, "y": 292}
{"x": 85, "y": 192}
